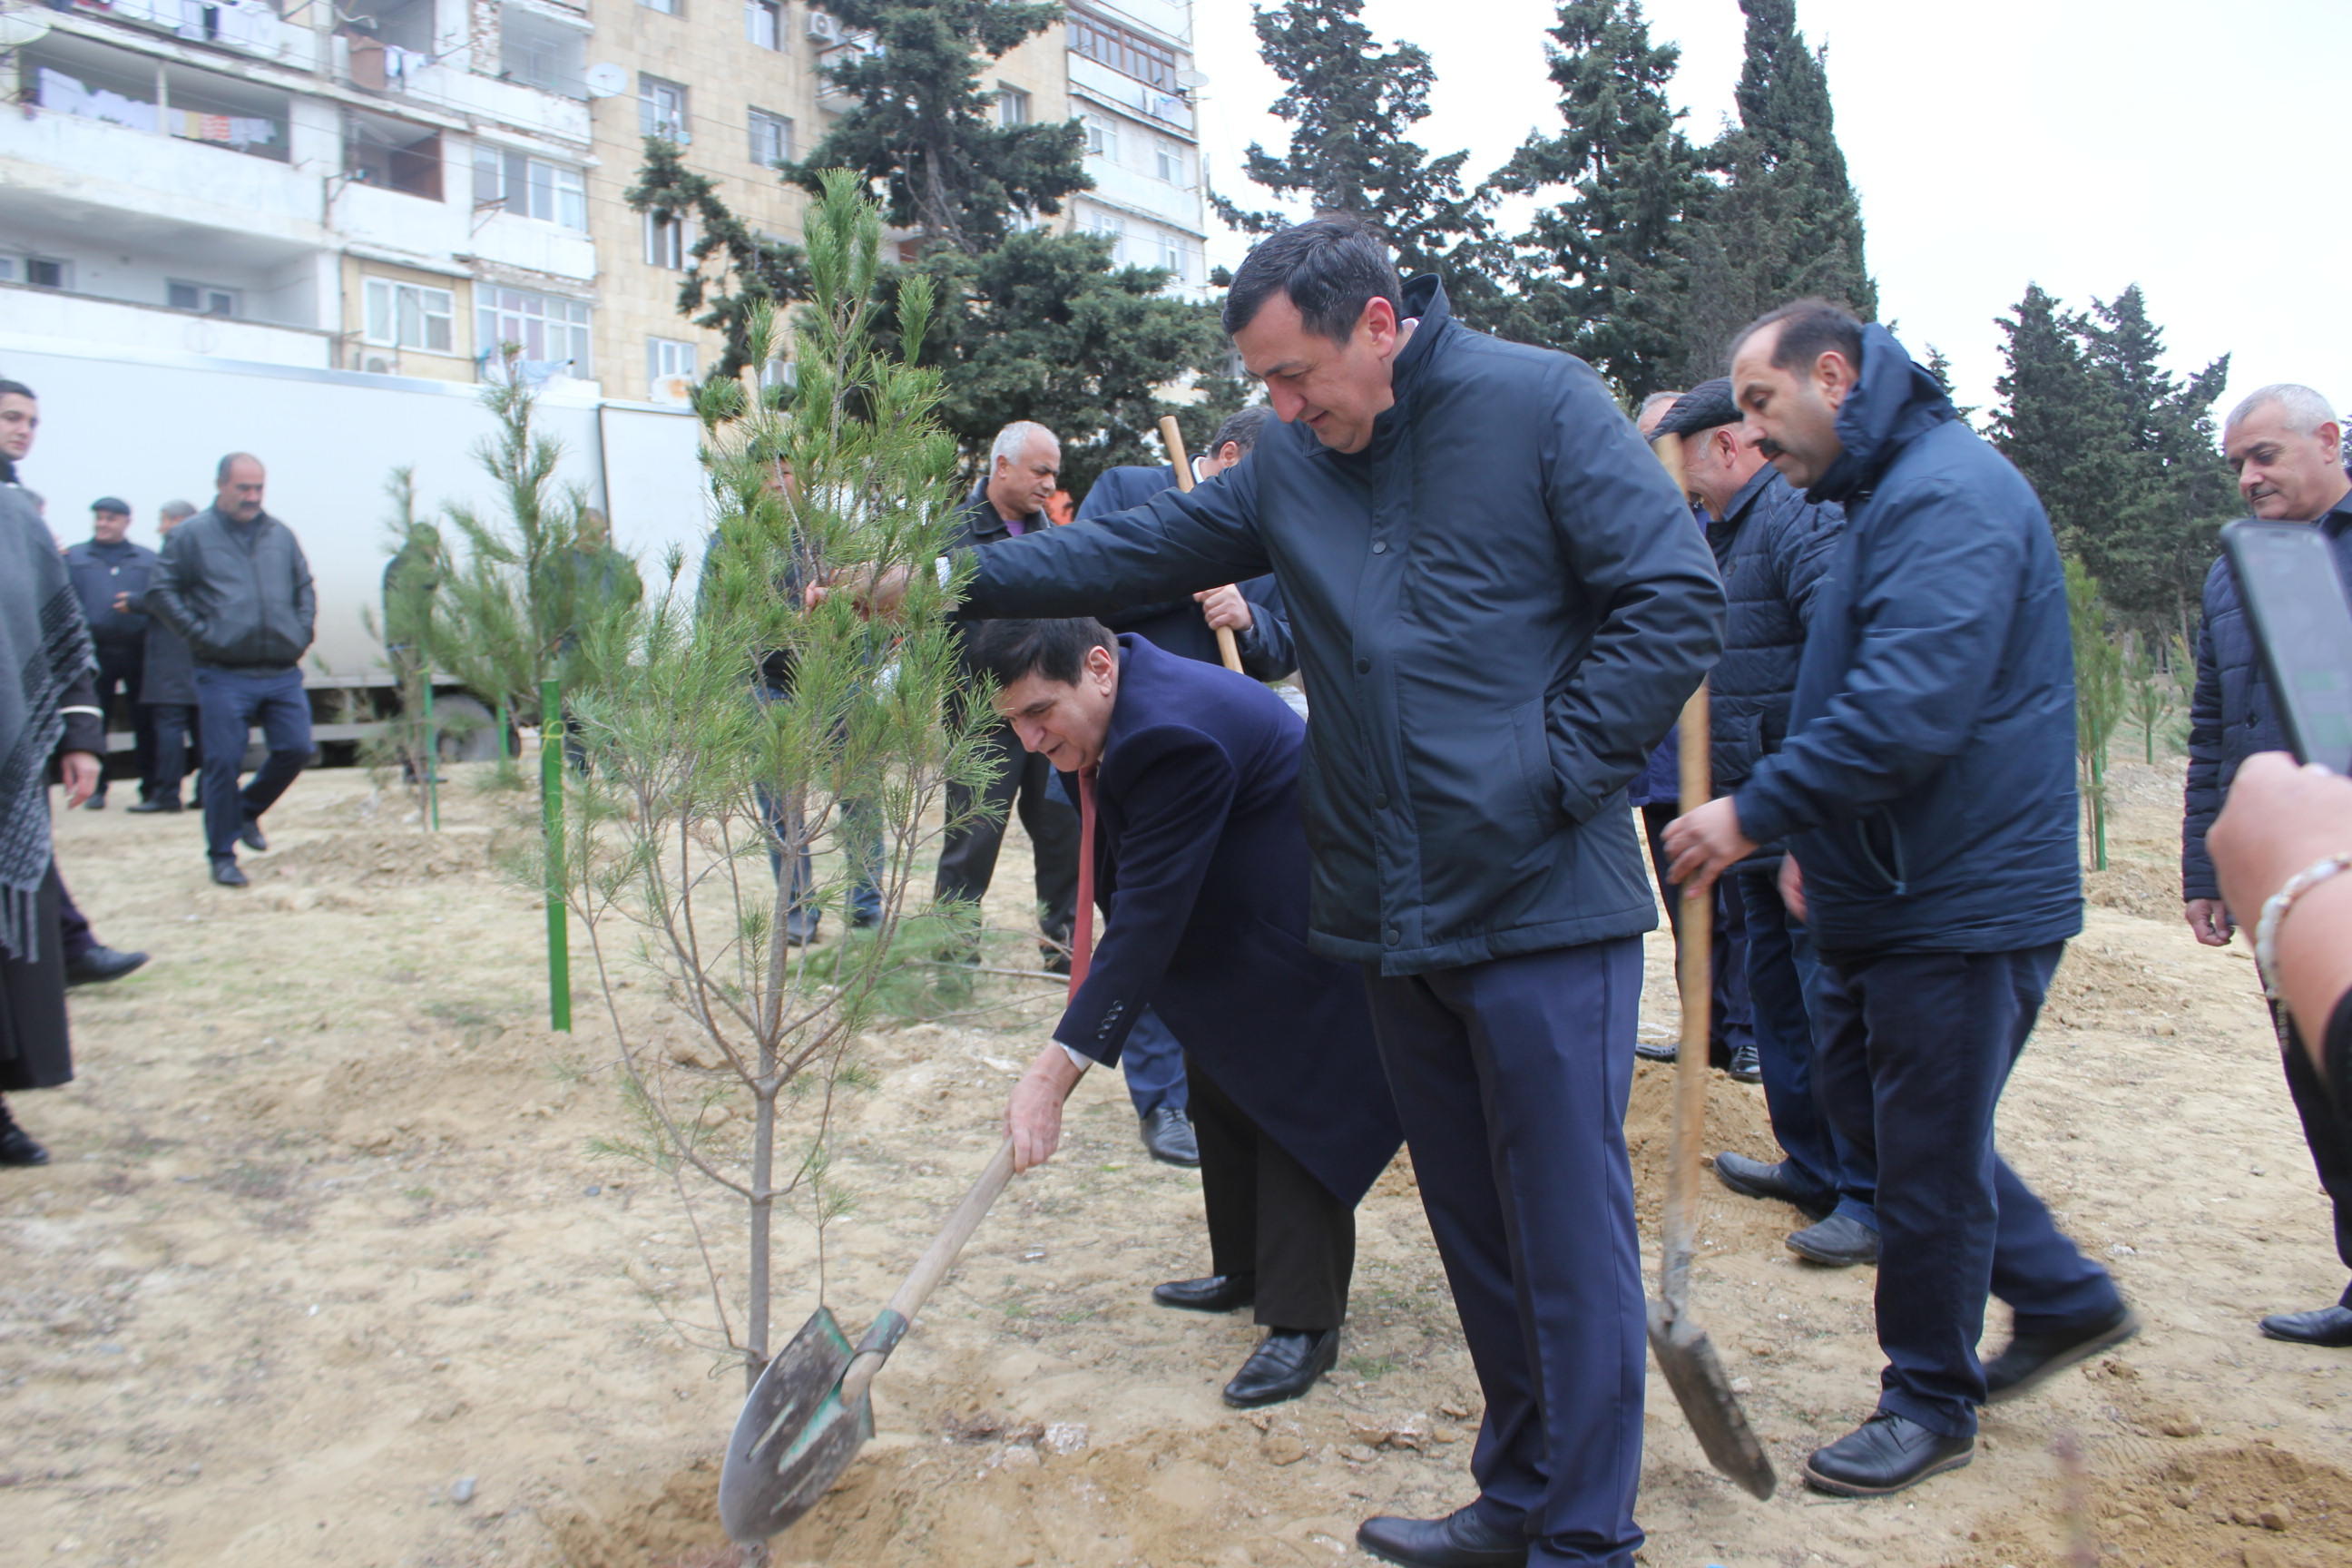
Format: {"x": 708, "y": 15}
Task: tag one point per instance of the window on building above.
{"x": 1171, "y": 161}
{"x": 546, "y": 330}
{"x": 538, "y": 51}
{"x": 668, "y": 7}
{"x": 530, "y": 188}
{"x": 661, "y": 109}
{"x": 48, "y": 272}
{"x": 410, "y": 316}
{"x": 1176, "y": 255}
{"x": 394, "y": 23}
{"x": 771, "y": 138}
{"x": 380, "y": 151}
{"x": 666, "y": 242}
{"x": 203, "y": 297}
{"x": 1123, "y": 49}
{"x": 1012, "y": 106}
{"x": 763, "y": 23}
{"x": 1102, "y": 136}
{"x": 1111, "y": 226}
{"x": 666, "y": 359}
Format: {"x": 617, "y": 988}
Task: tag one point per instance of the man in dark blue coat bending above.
{"x": 1926, "y": 791}
{"x": 1188, "y": 777}
{"x": 1500, "y": 605}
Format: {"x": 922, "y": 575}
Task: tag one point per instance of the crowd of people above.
{"x": 1412, "y": 914}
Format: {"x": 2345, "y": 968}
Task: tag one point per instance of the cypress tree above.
{"x": 2060, "y": 423}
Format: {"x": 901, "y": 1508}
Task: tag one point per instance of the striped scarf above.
{"x": 43, "y": 648}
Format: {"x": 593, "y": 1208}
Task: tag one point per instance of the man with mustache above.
{"x": 2285, "y": 444}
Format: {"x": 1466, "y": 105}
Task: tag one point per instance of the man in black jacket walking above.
{"x": 2285, "y": 444}
{"x": 1500, "y": 605}
{"x": 234, "y": 583}
{"x": 106, "y": 568}
{"x": 167, "y": 688}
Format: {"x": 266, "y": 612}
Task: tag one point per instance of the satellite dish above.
{"x": 1191, "y": 82}
{"x": 21, "y": 23}
{"x": 608, "y": 81}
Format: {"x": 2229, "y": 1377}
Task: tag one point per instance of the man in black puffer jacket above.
{"x": 234, "y": 583}
{"x": 2284, "y": 443}
{"x": 1773, "y": 548}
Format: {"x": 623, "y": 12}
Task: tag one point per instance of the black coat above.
{"x": 1773, "y": 547}
{"x": 1176, "y": 624}
{"x": 99, "y": 572}
{"x": 1500, "y": 605}
{"x": 2230, "y": 714}
{"x": 1201, "y": 871}
{"x": 239, "y": 592}
{"x": 1928, "y": 780}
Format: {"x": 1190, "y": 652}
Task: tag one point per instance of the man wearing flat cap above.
{"x": 110, "y": 572}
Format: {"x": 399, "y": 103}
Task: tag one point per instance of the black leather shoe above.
{"x": 1057, "y": 960}
{"x": 1649, "y": 1051}
{"x": 1211, "y": 1293}
{"x": 1744, "y": 1067}
{"x": 1886, "y": 1454}
{"x": 2031, "y": 1358}
{"x": 1284, "y": 1366}
{"x": 2329, "y": 1326}
{"x": 1755, "y": 1179}
{"x": 100, "y": 964}
{"x": 17, "y": 1145}
{"x": 148, "y": 807}
{"x": 1460, "y": 1540}
{"x": 1840, "y": 1241}
{"x": 250, "y": 837}
{"x": 228, "y": 874}
{"x": 1168, "y": 1134}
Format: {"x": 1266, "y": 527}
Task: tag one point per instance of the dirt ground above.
{"x": 326, "y": 1273}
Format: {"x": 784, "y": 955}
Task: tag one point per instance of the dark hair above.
{"x": 1242, "y": 429}
{"x": 220, "y": 474}
{"x": 1014, "y": 650}
{"x": 1809, "y": 329}
{"x": 15, "y": 389}
{"x": 1331, "y": 269}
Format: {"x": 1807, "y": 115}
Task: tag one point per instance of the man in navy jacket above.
{"x": 2285, "y": 444}
{"x": 105, "y": 568}
{"x": 1199, "y": 866}
{"x": 1927, "y": 790}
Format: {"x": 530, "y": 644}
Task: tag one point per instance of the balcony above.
{"x": 534, "y": 246}
{"x": 64, "y": 168}
{"x": 86, "y": 322}
{"x": 1123, "y": 91}
{"x": 455, "y": 90}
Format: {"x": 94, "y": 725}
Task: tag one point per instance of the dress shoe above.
{"x": 1055, "y": 958}
{"x": 1460, "y": 1540}
{"x": 1840, "y": 1241}
{"x": 1755, "y": 1179}
{"x": 95, "y": 802}
{"x": 1169, "y": 1137}
{"x": 1649, "y": 1051}
{"x": 1284, "y": 1366}
{"x": 2032, "y": 1357}
{"x": 148, "y": 807}
{"x": 801, "y": 929}
{"x": 1744, "y": 1067}
{"x": 1211, "y": 1293}
{"x": 100, "y": 964}
{"x": 2329, "y": 1326}
{"x": 250, "y": 837}
{"x": 17, "y": 1145}
{"x": 1886, "y": 1454}
{"x": 228, "y": 874}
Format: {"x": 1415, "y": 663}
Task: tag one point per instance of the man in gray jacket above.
{"x": 234, "y": 584}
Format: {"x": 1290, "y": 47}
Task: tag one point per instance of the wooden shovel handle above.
{"x": 931, "y": 1268}
{"x": 1172, "y": 436}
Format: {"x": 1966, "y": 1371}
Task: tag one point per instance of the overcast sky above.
{"x": 2084, "y": 145}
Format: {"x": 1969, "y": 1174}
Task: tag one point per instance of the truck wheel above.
{"x": 468, "y": 731}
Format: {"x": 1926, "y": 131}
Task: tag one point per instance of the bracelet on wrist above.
{"x": 2274, "y": 913}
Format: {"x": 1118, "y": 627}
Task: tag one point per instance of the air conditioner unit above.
{"x": 823, "y": 28}
{"x": 377, "y": 364}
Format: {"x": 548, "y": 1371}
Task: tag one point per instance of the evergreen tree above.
{"x": 2058, "y": 422}
{"x": 923, "y": 129}
{"x": 736, "y": 271}
{"x": 1350, "y": 105}
{"x": 1603, "y": 272}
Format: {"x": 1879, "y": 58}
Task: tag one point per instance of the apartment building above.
{"x": 400, "y": 186}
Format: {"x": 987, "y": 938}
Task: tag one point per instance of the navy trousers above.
{"x": 175, "y": 727}
{"x": 120, "y": 666}
{"x": 1915, "y": 1049}
{"x": 1511, "y": 1078}
{"x": 1154, "y": 1064}
{"x": 229, "y": 702}
{"x": 1785, "y": 980}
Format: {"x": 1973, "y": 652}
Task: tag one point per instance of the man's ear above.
{"x": 1379, "y": 322}
{"x": 1836, "y": 375}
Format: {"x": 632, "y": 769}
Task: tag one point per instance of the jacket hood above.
{"x": 1895, "y": 404}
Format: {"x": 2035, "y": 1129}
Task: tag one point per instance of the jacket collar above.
{"x": 1425, "y": 301}
{"x": 2336, "y": 521}
{"x": 1757, "y": 483}
{"x": 1893, "y": 403}
{"x": 987, "y": 523}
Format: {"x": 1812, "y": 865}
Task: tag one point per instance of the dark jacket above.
{"x": 1176, "y": 624}
{"x": 1201, "y": 871}
{"x": 168, "y": 670}
{"x": 1773, "y": 547}
{"x": 1500, "y": 605}
{"x": 238, "y": 592}
{"x": 980, "y": 523}
{"x": 2230, "y": 714}
{"x": 99, "y": 572}
{"x": 1928, "y": 780}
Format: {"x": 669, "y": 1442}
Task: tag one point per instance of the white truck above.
{"x": 150, "y": 427}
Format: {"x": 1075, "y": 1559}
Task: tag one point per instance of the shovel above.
{"x": 1172, "y": 436}
{"x": 808, "y": 1414}
{"x": 1685, "y": 1353}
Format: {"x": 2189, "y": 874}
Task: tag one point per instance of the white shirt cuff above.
{"x": 946, "y": 571}
{"x": 1079, "y": 1059}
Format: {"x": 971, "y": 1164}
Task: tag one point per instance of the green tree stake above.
{"x": 432, "y": 755}
{"x": 505, "y": 752}
{"x": 551, "y": 811}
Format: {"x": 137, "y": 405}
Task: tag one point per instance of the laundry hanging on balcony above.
{"x": 68, "y": 95}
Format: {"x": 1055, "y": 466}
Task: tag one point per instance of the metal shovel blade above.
{"x": 795, "y": 1436}
{"x": 1695, "y": 1374}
